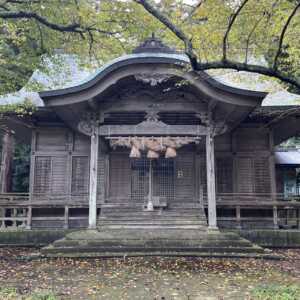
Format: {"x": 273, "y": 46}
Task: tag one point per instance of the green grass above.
{"x": 12, "y": 294}
{"x": 277, "y": 292}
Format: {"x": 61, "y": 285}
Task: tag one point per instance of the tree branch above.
{"x": 250, "y": 36}
{"x": 178, "y": 32}
{"x": 231, "y": 22}
{"x": 284, "y": 29}
{"x": 224, "y": 63}
{"x": 74, "y": 27}
{"x": 228, "y": 64}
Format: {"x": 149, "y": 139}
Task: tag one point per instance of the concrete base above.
{"x": 268, "y": 238}
{"x": 272, "y": 238}
{"x": 142, "y": 242}
{"x": 30, "y": 238}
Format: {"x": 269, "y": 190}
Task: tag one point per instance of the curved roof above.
{"x": 175, "y": 59}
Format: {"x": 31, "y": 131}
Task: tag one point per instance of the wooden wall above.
{"x": 60, "y": 167}
{"x": 247, "y": 154}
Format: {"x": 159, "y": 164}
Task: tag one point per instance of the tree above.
{"x": 251, "y": 29}
{"x": 245, "y": 35}
{"x": 31, "y": 29}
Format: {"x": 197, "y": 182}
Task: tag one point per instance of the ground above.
{"x": 148, "y": 278}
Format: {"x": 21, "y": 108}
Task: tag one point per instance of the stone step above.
{"x": 142, "y": 249}
{"x": 155, "y": 243}
{"x": 151, "y": 221}
{"x": 177, "y": 241}
{"x": 151, "y": 217}
{"x": 152, "y": 226}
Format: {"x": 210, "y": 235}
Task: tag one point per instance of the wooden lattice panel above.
{"x": 80, "y": 175}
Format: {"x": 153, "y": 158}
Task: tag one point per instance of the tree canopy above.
{"x": 255, "y": 36}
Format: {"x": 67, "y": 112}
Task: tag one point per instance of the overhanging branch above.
{"x": 177, "y": 31}
{"x": 284, "y": 29}
{"x": 224, "y": 63}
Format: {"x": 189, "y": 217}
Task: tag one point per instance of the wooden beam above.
{"x": 153, "y": 129}
{"x": 93, "y": 180}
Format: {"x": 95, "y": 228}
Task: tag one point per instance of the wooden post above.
{"x": 66, "y": 221}
{"x": 238, "y": 216}
{"x": 93, "y": 180}
{"x": 272, "y": 166}
{"x": 211, "y": 180}
{"x": 29, "y": 217}
{"x": 6, "y": 162}
{"x": 2, "y": 215}
{"x": 275, "y": 217}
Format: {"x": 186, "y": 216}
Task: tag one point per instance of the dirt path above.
{"x": 145, "y": 278}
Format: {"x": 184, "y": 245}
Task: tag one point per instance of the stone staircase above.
{"x": 152, "y": 242}
{"x": 128, "y": 230}
{"x": 133, "y": 216}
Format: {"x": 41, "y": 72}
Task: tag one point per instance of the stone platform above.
{"x": 153, "y": 242}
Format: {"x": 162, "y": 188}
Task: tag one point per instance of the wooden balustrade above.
{"x": 16, "y": 210}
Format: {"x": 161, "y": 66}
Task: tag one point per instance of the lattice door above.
{"x": 162, "y": 172}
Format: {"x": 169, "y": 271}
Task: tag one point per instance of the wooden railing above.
{"x": 285, "y": 210}
{"x": 16, "y": 210}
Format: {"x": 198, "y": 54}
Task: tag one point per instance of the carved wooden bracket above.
{"x": 153, "y": 79}
{"x": 89, "y": 125}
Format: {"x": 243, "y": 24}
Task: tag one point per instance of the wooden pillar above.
{"x": 66, "y": 220}
{"x": 6, "y": 162}
{"x": 29, "y": 217}
{"x": 93, "y": 180}
{"x": 275, "y": 217}
{"x": 211, "y": 180}
{"x": 238, "y": 216}
{"x": 272, "y": 166}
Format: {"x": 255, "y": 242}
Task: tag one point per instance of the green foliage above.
{"x": 277, "y": 292}
{"x": 292, "y": 143}
{"x": 118, "y": 26}
{"x": 20, "y": 109}
{"x": 21, "y": 167}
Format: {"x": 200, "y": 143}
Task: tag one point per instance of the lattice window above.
{"x": 245, "y": 175}
{"x": 185, "y": 176}
{"x": 139, "y": 179}
{"x": 120, "y": 174}
{"x": 59, "y": 175}
{"x": 42, "y": 174}
{"x": 163, "y": 171}
{"x": 80, "y": 175}
{"x": 262, "y": 175}
{"x": 224, "y": 175}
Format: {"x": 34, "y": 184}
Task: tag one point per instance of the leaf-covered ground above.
{"x": 147, "y": 278}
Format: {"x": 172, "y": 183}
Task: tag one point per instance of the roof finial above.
{"x": 153, "y": 44}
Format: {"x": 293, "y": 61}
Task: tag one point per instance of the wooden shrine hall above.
{"x": 149, "y": 143}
